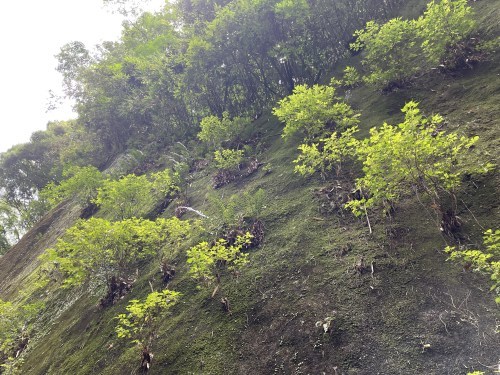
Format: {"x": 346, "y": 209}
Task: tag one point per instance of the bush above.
{"x": 326, "y": 155}
{"x": 444, "y": 24}
{"x": 414, "y": 156}
{"x": 391, "y": 51}
{"x": 134, "y": 196}
{"x": 228, "y": 159}
{"x": 80, "y": 183}
{"x": 399, "y": 49}
{"x": 98, "y": 249}
{"x": 351, "y": 77}
{"x": 312, "y": 110}
{"x": 216, "y": 131}
{"x": 487, "y": 260}
{"x": 140, "y": 321}
{"x": 206, "y": 261}
{"x": 15, "y": 325}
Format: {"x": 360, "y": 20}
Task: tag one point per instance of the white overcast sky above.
{"x": 31, "y": 33}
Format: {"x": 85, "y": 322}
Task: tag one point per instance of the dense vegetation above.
{"x": 187, "y": 94}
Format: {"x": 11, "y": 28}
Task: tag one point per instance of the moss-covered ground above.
{"x": 411, "y": 312}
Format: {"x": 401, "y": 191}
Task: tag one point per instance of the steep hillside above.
{"x": 390, "y": 300}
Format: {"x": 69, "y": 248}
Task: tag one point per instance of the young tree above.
{"x": 414, "y": 156}
{"x": 216, "y": 131}
{"x": 134, "y": 196}
{"x": 140, "y": 323}
{"x": 228, "y": 159}
{"x": 80, "y": 183}
{"x": 15, "y": 326}
{"x": 442, "y": 25}
{"x": 328, "y": 154}
{"x": 393, "y": 53}
{"x": 207, "y": 261}
{"x": 98, "y": 249}
{"x": 313, "y": 111}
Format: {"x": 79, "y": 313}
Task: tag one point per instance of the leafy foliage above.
{"x": 487, "y": 260}
{"x": 80, "y": 183}
{"x": 140, "y": 322}
{"x": 15, "y": 324}
{"x": 228, "y": 159}
{"x": 205, "y": 260}
{"x": 231, "y": 211}
{"x": 444, "y": 24}
{"x": 351, "y": 77}
{"x": 215, "y": 131}
{"x": 390, "y": 51}
{"x": 100, "y": 249}
{"x": 311, "y": 110}
{"x": 328, "y": 154}
{"x": 414, "y": 156}
{"x": 399, "y": 49}
{"x": 134, "y": 196}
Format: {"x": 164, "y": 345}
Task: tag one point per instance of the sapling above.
{"x": 140, "y": 323}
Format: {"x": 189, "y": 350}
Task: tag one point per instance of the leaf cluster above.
{"x": 205, "y": 260}
{"x": 397, "y": 50}
{"x": 80, "y": 184}
{"x": 312, "y": 111}
{"x": 228, "y": 159}
{"x": 15, "y": 322}
{"x": 133, "y": 196}
{"x": 98, "y": 249}
{"x": 486, "y": 260}
{"x": 416, "y": 155}
{"x": 328, "y": 154}
{"x": 215, "y": 131}
{"x": 142, "y": 317}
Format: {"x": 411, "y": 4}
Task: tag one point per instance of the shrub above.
{"x": 140, "y": 321}
{"x": 228, "y": 159}
{"x": 311, "y": 110}
{"x": 216, "y": 131}
{"x": 15, "y": 325}
{"x": 351, "y": 77}
{"x": 134, "y": 196}
{"x": 487, "y": 260}
{"x": 444, "y": 24}
{"x": 326, "y": 155}
{"x": 98, "y": 249}
{"x": 206, "y": 261}
{"x": 80, "y": 183}
{"x": 414, "y": 156}
{"x": 391, "y": 51}
{"x": 399, "y": 49}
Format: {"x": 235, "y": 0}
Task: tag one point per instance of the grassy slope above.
{"x": 304, "y": 273}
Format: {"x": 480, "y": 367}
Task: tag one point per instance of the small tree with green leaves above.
{"x": 228, "y": 159}
{"x": 414, "y": 156}
{"x": 140, "y": 324}
{"x": 391, "y": 51}
{"x": 351, "y": 77}
{"x": 135, "y": 196}
{"x": 215, "y": 131}
{"x": 486, "y": 261}
{"x": 326, "y": 155}
{"x": 398, "y": 50}
{"x": 80, "y": 183}
{"x": 314, "y": 111}
{"x": 207, "y": 261}
{"x": 98, "y": 250}
{"x": 444, "y": 24}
